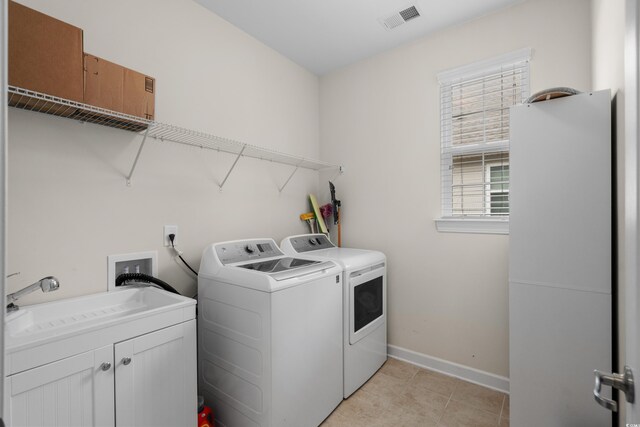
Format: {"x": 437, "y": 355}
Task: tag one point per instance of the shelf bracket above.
{"x": 135, "y": 162}
{"x": 336, "y": 175}
{"x": 232, "y": 166}
{"x": 288, "y": 179}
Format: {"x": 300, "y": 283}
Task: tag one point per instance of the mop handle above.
{"x": 339, "y": 229}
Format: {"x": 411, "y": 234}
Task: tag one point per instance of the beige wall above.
{"x": 608, "y": 17}
{"x": 68, "y": 204}
{"x": 380, "y": 118}
{"x": 69, "y": 207}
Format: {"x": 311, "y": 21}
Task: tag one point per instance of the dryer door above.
{"x": 367, "y": 305}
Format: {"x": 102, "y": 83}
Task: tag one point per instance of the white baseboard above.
{"x": 466, "y": 373}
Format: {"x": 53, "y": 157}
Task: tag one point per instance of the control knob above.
{"x": 249, "y": 249}
{"x": 313, "y": 242}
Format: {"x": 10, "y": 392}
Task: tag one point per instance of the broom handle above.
{"x": 339, "y": 229}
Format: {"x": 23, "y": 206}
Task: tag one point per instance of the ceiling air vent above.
{"x": 409, "y": 13}
{"x": 399, "y": 18}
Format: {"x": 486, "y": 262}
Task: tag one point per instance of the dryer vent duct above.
{"x": 399, "y": 18}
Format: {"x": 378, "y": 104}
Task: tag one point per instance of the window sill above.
{"x": 473, "y": 225}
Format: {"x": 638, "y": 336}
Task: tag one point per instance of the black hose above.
{"x": 140, "y": 277}
{"x": 171, "y": 237}
{"x": 188, "y": 266}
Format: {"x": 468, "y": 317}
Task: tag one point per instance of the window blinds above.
{"x": 475, "y": 138}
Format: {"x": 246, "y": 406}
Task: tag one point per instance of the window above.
{"x": 475, "y": 102}
{"x": 498, "y": 201}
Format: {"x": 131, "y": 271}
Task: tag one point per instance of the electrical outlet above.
{"x": 170, "y": 229}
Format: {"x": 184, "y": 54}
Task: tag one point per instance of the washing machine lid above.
{"x": 275, "y": 274}
{"x": 259, "y": 264}
{"x": 264, "y": 257}
{"x": 287, "y": 267}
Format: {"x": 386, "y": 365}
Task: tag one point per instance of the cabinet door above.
{"x": 560, "y": 260}
{"x": 75, "y": 391}
{"x": 560, "y": 193}
{"x": 156, "y": 378}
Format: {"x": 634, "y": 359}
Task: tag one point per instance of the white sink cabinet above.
{"x": 137, "y": 368}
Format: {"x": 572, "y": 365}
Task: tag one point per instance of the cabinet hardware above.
{"x": 622, "y": 382}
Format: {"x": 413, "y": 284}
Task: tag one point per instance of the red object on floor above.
{"x": 205, "y": 417}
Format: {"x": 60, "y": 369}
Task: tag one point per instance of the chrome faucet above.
{"x": 46, "y": 284}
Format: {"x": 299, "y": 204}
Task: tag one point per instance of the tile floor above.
{"x": 400, "y": 394}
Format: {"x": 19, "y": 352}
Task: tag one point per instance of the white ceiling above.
{"x": 328, "y": 34}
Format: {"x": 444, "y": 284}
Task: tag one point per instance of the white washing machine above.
{"x": 364, "y": 303}
{"x": 269, "y": 335}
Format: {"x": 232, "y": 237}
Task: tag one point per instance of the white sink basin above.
{"x": 41, "y": 322}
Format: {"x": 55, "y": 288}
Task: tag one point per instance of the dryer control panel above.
{"x": 310, "y": 242}
{"x": 246, "y": 250}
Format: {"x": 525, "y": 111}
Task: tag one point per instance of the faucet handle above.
{"x": 49, "y": 283}
{"x": 46, "y": 284}
{"x": 12, "y": 274}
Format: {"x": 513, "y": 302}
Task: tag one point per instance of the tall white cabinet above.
{"x": 560, "y": 260}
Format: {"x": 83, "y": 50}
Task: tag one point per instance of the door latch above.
{"x": 622, "y": 382}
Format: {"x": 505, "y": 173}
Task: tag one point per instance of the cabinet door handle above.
{"x": 623, "y": 382}
{"x": 126, "y": 360}
{"x": 105, "y": 366}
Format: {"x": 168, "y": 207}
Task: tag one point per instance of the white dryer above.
{"x": 269, "y": 335}
{"x": 364, "y": 303}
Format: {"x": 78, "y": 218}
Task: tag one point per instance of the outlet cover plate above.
{"x": 147, "y": 260}
{"x": 170, "y": 229}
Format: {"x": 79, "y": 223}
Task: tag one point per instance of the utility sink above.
{"x": 39, "y": 323}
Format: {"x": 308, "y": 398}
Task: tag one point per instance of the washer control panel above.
{"x": 246, "y": 250}
{"x": 311, "y": 242}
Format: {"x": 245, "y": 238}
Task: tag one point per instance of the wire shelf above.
{"x": 165, "y": 132}
{"x": 26, "y": 99}
{"x": 42, "y": 103}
